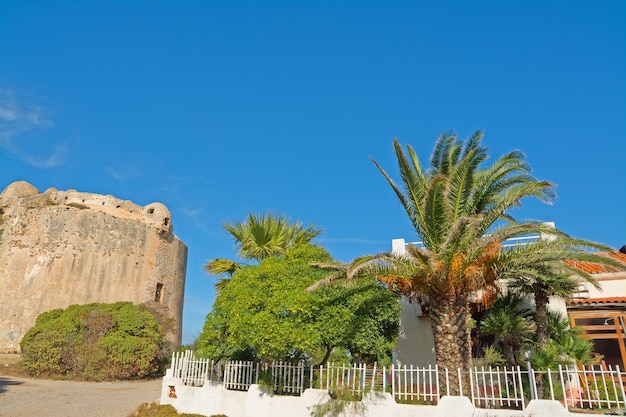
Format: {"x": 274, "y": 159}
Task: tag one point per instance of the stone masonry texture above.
{"x": 60, "y": 248}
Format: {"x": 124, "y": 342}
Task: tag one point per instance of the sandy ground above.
{"x": 28, "y": 397}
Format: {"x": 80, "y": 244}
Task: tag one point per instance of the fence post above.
{"x": 436, "y": 397}
{"x": 363, "y": 374}
{"x": 373, "y": 376}
{"x": 385, "y": 378}
{"x": 550, "y": 383}
{"x": 621, "y": 384}
{"x": 437, "y": 379}
{"x": 569, "y": 383}
{"x": 472, "y": 383}
{"x": 614, "y": 387}
{"x": 521, "y": 386}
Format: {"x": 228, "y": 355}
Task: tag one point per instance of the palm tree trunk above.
{"x": 449, "y": 317}
{"x": 541, "y": 320}
{"x": 509, "y": 354}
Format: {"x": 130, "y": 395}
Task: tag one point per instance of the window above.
{"x": 158, "y": 295}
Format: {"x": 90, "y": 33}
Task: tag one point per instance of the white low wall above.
{"x": 215, "y": 399}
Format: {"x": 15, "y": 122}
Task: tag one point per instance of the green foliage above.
{"x": 156, "y": 410}
{"x": 603, "y": 390}
{"x": 511, "y": 324}
{"x": 343, "y": 402}
{"x": 509, "y": 320}
{"x": 363, "y": 318}
{"x": 491, "y": 357}
{"x": 266, "y": 313}
{"x": 265, "y": 235}
{"x": 259, "y": 237}
{"x": 95, "y": 342}
{"x": 565, "y": 345}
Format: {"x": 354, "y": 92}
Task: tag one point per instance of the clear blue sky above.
{"x": 221, "y": 108}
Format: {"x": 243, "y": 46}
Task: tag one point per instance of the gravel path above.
{"x": 25, "y": 397}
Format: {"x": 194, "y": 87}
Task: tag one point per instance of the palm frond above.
{"x": 264, "y": 235}
{"x": 222, "y": 266}
{"x": 445, "y": 147}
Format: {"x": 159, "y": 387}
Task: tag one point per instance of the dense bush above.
{"x": 95, "y": 342}
{"x": 156, "y": 410}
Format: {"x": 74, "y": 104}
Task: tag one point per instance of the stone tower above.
{"x": 60, "y": 248}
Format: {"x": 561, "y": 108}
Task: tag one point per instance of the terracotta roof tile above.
{"x": 593, "y": 268}
{"x": 601, "y": 300}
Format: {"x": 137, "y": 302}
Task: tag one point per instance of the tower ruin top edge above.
{"x": 22, "y": 193}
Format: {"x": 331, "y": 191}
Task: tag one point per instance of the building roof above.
{"x": 594, "y": 268}
{"x": 597, "y": 304}
{"x": 598, "y": 301}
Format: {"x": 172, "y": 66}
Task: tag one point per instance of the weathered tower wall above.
{"x": 60, "y": 248}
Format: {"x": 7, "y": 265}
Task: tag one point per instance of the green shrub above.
{"x": 95, "y": 342}
{"x": 156, "y": 410}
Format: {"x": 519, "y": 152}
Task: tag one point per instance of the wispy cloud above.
{"x": 124, "y": 173}
{"x": 202, "y": 220}
{"x": 57, "y": 157}
{"x": 195, "y": 214}
{"x": 26, "y": 129}
{"x": 127, "y": 167}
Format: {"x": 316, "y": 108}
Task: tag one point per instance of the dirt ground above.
{"x": 28, "y": 397}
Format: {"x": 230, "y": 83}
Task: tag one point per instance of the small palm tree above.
{"x": 544, "y": 268}
{"x": 570, "y": 343}
{"x": 259, "y": 237}
{"x": 509, "y": 320}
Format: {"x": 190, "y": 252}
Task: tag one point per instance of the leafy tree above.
{"x": 265, "y": 313}
{"x": 259, "y": 237}
{"x": 95, "y": 342}
{"x": 363, "y": 318}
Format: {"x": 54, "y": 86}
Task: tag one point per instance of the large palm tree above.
{"x": 460, "y": 210}
{"x": 258, "y": 237}
{"x": 452, "y": 206}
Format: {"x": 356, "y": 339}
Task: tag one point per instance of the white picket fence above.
{"x": 591, "y": 387}
{"x": 195, "y": 371}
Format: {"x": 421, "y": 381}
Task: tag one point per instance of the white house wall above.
{"x": 612, "y": 285}
{"x": 416, "y": 344}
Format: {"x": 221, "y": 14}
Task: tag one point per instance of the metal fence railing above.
{"x": 589, "y": 387}
{"x": 239, "y": 375}
{"x": 419, "y": 385}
